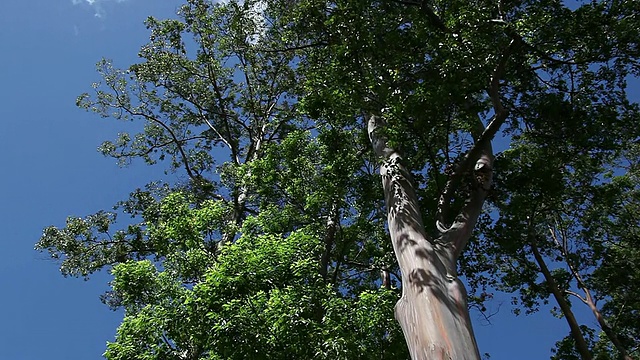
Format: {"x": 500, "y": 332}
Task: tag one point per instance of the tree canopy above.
{"x": 312, "y": 140}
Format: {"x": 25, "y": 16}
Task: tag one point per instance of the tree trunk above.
{"x": 588, "y": 299}
{"x": 433, "y": 309}
{"x": 576, "y": 333}
{"x": 613, "y": 337}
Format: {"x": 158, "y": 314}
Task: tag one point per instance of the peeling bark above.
{"x": 433, "y": 309}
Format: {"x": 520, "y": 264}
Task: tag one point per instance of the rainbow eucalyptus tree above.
{"x": 313, "y": 140}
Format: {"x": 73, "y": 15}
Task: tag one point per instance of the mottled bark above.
{"x": 433, "y": 309}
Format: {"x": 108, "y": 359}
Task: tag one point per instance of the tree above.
{"x": 555, "y": 83}
{"x": 281, "y": 202}
{"x": 576, "y": 224}
{"x": 306, "y": 100}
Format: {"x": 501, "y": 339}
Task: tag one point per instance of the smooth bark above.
{"x": 433, "y": 309}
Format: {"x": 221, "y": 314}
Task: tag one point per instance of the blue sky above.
{"x": 51, "y": 169}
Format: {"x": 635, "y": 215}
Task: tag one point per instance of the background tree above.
{"x": 570, "y": 230}
{"x": 266, "y": 235}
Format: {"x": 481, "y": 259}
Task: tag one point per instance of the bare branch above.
{"x": 201, "y": 113}
{"x": 572, "y": 293}
{"x": 221, "y": 102}
{"x": 154, "y": 147}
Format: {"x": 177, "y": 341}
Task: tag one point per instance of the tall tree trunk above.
{"x": 604, "y": 325}
{"x": 576, "y": 333}
{"x": 433, "y": 309}
{"x": 588, "y": 299}
{"x": 613, "y": 337}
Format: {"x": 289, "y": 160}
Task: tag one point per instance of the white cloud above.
{"x": 98, "y": 9}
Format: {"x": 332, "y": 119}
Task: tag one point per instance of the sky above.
{"x": 51, "y": 170}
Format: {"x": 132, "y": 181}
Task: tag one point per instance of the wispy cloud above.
{"x": 96, "y": 5}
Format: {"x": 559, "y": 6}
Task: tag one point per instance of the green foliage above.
{"x": 565, "y": 349}
{"x": 263, "y": 298}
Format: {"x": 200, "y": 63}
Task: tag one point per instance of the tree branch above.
{"x": 543, "y": 55}
{"x": 298, "y": 47}
{"x": 483, "y": 139}
{"x": 185, "y": 159}
{"x": 573, "y": 293}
